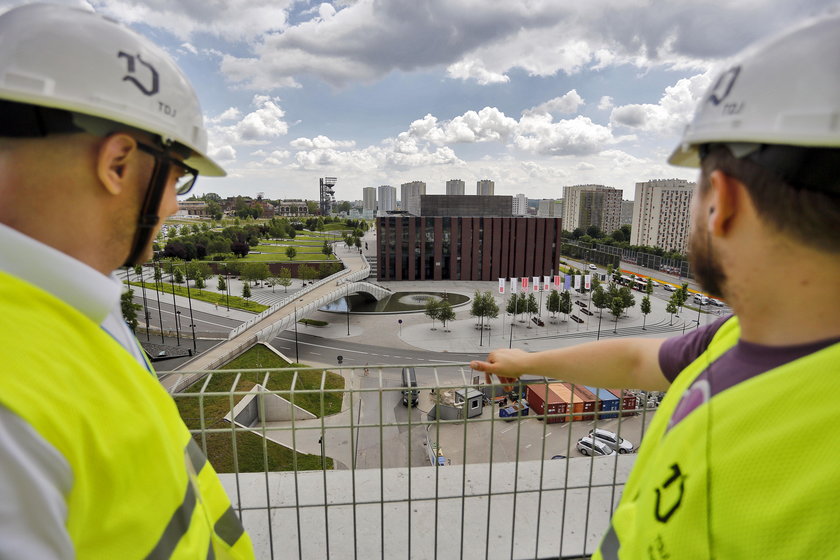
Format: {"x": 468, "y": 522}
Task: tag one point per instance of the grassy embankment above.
{"x": 250, "y": 454}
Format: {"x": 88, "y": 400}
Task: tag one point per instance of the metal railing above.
{"x": 334, "y": 463}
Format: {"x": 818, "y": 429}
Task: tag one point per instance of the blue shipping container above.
{"x": 609, "y": 404}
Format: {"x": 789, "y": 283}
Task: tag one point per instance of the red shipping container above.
{"x": 629, "y": 402}
{"x": 545, "y": 400}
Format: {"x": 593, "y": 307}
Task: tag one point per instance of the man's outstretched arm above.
{"x": 629, "y": 363}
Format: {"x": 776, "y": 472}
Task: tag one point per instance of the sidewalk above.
{"x": 463, "y": 335}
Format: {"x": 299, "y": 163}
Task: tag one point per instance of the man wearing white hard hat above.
{"x": 740, "y": 460}
{"x": 99, "y": 131}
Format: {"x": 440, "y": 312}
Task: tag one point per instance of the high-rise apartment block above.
{"x": 588, "y": 205}
{"x": 661, "y": 214}
{"x": 520, "y": 205}
{"x": 485, "y": 187}
{"x": 410, "y": 196}
{"x": 369, "y": 201}
{"x": 387, "y": 199}
{"x": 369, "y": 198}
{"x": 455, "y": 187}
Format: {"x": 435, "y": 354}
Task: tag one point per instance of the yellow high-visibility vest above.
{"x": 141, "y": 486}
{"x": 751, "y": 473}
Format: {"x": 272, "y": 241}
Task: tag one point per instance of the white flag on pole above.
{"x": 513, "y": 285}
{"x": 536, "y": 283}
{"x": 501, "y": 285}
{"x": 577, "y": 281}
{"x": 546, "y": 283}
{"x": 587, "y": 281}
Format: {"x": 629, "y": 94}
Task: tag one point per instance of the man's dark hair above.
{"x": 796, "y": 190}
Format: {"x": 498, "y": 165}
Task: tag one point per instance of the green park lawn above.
{"x": 253, "y": 453}
{"x": 218, "y": 298}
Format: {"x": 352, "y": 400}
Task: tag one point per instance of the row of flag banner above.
{"x": 545, "y": 283}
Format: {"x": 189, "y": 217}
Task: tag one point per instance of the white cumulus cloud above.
{"x": 261, "y": 125}
{"x": 671, "y": 114}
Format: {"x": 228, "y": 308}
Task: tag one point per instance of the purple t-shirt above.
{"x": 743, "y": 361}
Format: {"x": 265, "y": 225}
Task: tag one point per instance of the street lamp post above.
{"x": 175, "y": 304}
{"x": 158, "y": 288}
{"x": 227, "y": 286}
{"x": 297, "y": 355}
{"x": 347, "y": 308}
{"x": 145, "y": 304}
{"x": 192, "y": 320}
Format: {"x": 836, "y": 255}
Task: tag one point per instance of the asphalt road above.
{"x": 210, "y": 323}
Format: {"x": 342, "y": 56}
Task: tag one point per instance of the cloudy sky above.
{"x": 533, "y": 94}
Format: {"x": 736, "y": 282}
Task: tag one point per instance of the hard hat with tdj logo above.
{"x": 78, "y": 61}
{"x": 785, "y": 90}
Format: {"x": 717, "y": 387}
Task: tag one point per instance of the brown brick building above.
{"x": 469, "y": 248}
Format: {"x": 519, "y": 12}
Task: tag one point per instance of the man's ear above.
{"x": 724, "y": 195}
{"x": 116, "y": 152}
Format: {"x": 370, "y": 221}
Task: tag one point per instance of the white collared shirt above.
{"x": 93, "y": 294}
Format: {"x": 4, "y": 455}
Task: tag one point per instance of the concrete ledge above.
{"x": 533, "y": 509}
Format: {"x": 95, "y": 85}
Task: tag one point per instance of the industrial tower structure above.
{"x": 327, "y": 194}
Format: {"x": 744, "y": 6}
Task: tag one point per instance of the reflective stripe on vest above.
{"x": 141, "y": 486}
{"x": 738, "y": 477}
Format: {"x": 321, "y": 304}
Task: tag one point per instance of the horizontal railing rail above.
{"x": 342, "y": 463}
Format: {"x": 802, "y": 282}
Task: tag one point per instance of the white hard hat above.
{"x": 78, "y": 61}
{"x": 785, "y": 90}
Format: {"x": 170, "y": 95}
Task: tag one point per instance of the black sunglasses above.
{"x": 188, "y": 175}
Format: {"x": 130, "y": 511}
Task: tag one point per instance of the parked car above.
{"x": 612, "y": 440}
{"x": 654, "y": 283}
{"x": 410, "y": 394}
{"x": 716, "y": 302}
{"x": 670, "y": 288}
{"x": 588, "y": 446}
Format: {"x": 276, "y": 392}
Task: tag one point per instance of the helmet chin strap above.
{"x": 149, "y": 212}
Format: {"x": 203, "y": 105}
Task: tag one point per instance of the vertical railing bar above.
{"x": 615, "y": 470}
{"x": 515, "y": 475}
{"x": 569, "y": 419}
{"x": 261, "y": 411}
{"x": 233, "y": 426}
{"x": 292, "y": 389}
{"x": 542, "y": 468}
{"x": 464, "y": 414}
{"x": 324, "y": 461}
{"x": 588, "y": 496}
{"x": 202, "y": 420}
{"x": 408, "y": 409}
{"x": 490, "y": 471}
{"x": 353, "y": 476}
{"x": 381, "y": 475}
{"x": 437, "y": 463}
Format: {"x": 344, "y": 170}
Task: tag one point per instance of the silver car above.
{"x": 593, "y": 447}
{"x": 612, "y": 440}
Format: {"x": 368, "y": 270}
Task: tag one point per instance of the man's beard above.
{"x": 705, "y": 266}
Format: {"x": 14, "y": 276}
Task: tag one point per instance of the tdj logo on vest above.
{"x": 146, "y": 88}
{"x": 675, "y": 501}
